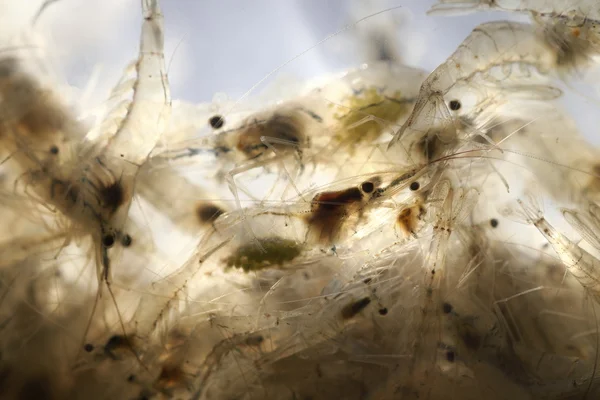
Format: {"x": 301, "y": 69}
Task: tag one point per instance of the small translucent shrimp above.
{"x": 142, "y": 127}
{"x": 94, "y": 189}
{"x": 581, "y": 264}
{"x": 266, "y": 138}
{"x": 345, "y": 203}
{"x": 571, "y": 29}
{"x": 496, "y": 59}
{"x": 346, "y": 110}
{"x": 323, "y": 125}
{"x": 87, "y": 182}
{"x": 431, "y": 355}
{"x": 584, "y": 8}
{"x": 449, "y": 207}
{"x": 331, "y": 210}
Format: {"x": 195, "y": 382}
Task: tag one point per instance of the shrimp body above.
{"x": 571, "y": 31}
{"x": 148, "y": 113}
{"x": 494, "y": 58}
{"x": 582, "y": 265}
{"x": 589, "y": 8}
{"x": 91, "y": 182}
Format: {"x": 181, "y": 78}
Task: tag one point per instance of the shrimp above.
{"x": 497, "y": 59}
{"x": 584, "y": 8}
{"x": 93, "y": 190}
{"x": 456, "y": 205}
{"x": 582, "y": 265}
{"x": 89, "y": 180}
{"x": 323, "y": 125}
{"x": 571, "y": 29}
{"x": 143, "y": 125}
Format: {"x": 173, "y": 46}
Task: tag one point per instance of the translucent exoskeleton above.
{"x": 496, "y": 62}
{"x": 323, "y": 126}
{"x": 94, "y": 188}
{"x": 448, "y": 208}
{"x": 571, "y": 29}
{"x": 581, "y": 264}
{"x": 85, "y": 181}
{"x": 140, "y": 129}
{"x": 587, "y": 8}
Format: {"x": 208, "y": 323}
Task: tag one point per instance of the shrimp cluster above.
{"x": 382, "y": 232}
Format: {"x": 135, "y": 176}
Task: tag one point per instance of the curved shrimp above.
{"x": 496, "y": 59}
{"x": 571, "y": 29}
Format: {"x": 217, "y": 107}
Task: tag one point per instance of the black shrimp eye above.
{"x": 108, "y": 240}
{"x": 216, "y": 122}
{"x": 447, "y": 307}
{"x": 494, "y": 222}
{"x": 455, "y": 105}
{"x": 126, "y": 240}
{"x": 54, "y": 150}
{"x": 414, "y": 186}
{"x": 367, "y": 187}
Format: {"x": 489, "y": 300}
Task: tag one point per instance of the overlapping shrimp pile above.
{"x": 381, "y": 233}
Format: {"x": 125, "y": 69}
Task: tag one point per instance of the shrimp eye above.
{"x": 216, "y": 121}
{"x": 447, "y": 308}
{"x": 54, "y": 150}
{"x": 414, "y": 186}
{"x": 208, "y": 213}
{"x": 108, "y": 240}
{"x": 455, "y": 105}
{"x": 494, "y": 222}
{"x": 367, "y": 187}
{"x": 126, "y": 240}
